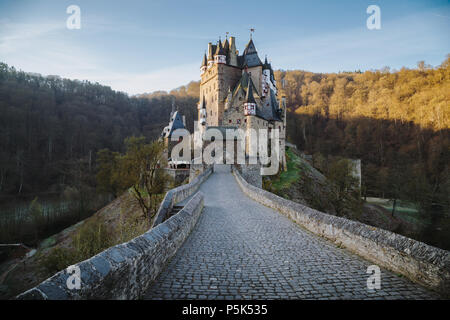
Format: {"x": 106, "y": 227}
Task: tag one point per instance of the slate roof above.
{"x": 176, "y": 122}
{"x": 249, "y": 98}
{"x": 250, "y": 48}
{"x": 242, "y": 84}
{"x": 267, "y": 109}
{"x": 219, "y": 50}
{"x": 204, "y": 64}
{"x": 273, "y": 113}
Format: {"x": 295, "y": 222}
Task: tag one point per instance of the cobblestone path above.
{"x": 240, "y": 249}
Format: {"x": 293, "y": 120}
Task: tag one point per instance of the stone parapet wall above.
{"x": 251, "y": 174}
{"x": 422, "y": 263}
{"x": 178, "y": 175}
{"x": 124, "y": 271}
{"x": 178, "y": 194}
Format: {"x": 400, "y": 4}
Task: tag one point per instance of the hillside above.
{"x": 302, "y": 183}
{"x": 118, "y": 222}
{"x": 396, "y": 122}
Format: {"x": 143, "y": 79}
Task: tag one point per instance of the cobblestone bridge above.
{"x": 240, "y": 249}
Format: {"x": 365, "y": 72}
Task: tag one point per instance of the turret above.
{"x": 266, "y": 65}
{"x": 226, "y": 48}
{"x": 265, "y": 79}
{"x": 250, "y": 103}
{"x": 204, "y": 65}
{"x": 202, "y": 112}
{"x": 220, "y": 56}
{"x": 233, "y": 52}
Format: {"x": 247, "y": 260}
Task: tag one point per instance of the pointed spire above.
{"x": 266, "y": 64}
{"x": 219, "y": 50}
{"x": 204, "y": 63}
{"x": 226, "y": 46}
{"x": 250, "y": 48}
{"x": 249, "y": 98}
{"x": 204, "y": 103}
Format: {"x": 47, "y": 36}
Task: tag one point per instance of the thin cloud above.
{"x": 13, "y": 36}
{"x": 355, "y": 48}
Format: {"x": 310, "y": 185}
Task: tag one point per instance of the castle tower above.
{"x": 239, "y": 92}
{"x": 220, "y": 56}
{"x": 202, "y": 113}
{"x": 250, "y": 103}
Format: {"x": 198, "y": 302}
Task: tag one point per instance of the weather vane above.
{"x": 251, "y": 32}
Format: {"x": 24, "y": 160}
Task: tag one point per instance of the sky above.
{"x": 145, "y": 46}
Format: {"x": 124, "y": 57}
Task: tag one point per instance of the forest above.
{"x": 396, "y": 121}
{"x": 52, "y": 128}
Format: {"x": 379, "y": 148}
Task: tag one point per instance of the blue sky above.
{"x": 144, "y": 46}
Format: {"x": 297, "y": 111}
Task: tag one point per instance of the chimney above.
{"x": 210, "y": 53}
{"x": 233, "y": 52}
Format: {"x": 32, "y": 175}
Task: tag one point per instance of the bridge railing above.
{"x": 422, "y": 263}
{"x": 124, "y": 271}
{"x": 178, "y": 194}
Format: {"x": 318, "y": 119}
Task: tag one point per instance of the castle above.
{"x": 237, "y": 91}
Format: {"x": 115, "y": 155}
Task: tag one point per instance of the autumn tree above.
{"x": 140, "y": 170}
{"x": 345, "y": 193}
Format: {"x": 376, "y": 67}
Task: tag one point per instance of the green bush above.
{"x": 58, "y": 259}
{"x": 92, "y": 238}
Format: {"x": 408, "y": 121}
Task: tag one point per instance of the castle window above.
{"x": 229, "y": 121}
{"x": 245, "y": 120}
{"x": 238, "y": 121}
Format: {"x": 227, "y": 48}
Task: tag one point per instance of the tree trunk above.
{"x": 393, "y": 206}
